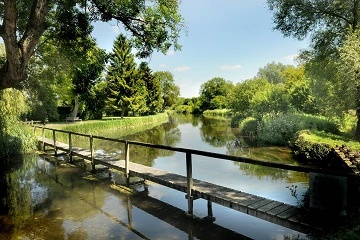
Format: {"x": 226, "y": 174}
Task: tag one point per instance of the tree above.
{"x": 328, "y": 23}
{"x": 154, "y": 99}
{"x": 121, "y": 77}
{"x": 170, "y": 91}
{"x": 86, "y": 74}
{"x": 242, "y": 96}
{"x": 153, "y": 25}
{"x": 213, "y": 93}
{"x": 273, "y": 72}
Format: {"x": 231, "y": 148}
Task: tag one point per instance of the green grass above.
{"x": 333, "y": 140}
{"x": 111, "y": 126}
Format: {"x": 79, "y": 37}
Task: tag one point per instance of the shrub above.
{"x": 218, "y": 112}
{"x": 305, "y": 150}
{"x": 281, "y": 129}
{"x": 248, "y": 127}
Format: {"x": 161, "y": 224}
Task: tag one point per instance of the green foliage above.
{"x": 15, "y": 138}
{"x": 243, "y": 93}
{"x": 154, "y": 100}
{"x": 183, "y": 109}
{"x": 324, "y": 21}
{"x": 169, "y": 90}
{"x": 121, "y": 77}
{"x": 248, "y": 127}
{"x": 213, "y": 94}
{"x": 218, "y": 112}
{"x": 333, "y": 56}
{"x": 281, "y": 129}
{"x": 310, "y": 151}
{"x": 273, "y": 72}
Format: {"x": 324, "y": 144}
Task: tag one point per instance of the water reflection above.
{"x": 59, "y": 201}
{"x": 64, "y": 202}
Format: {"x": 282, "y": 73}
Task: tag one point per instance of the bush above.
{"x": 248, "y": 127}
{"x": 183, "y": 109}
{"x": 281, "y": 129}
{"x": 305, "y": 150}
{"x": 218, "y": 112}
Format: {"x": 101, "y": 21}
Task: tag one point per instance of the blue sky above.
{"x": 231, "y": 39}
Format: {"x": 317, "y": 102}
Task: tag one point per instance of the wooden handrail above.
{"x": 285, "y": 166}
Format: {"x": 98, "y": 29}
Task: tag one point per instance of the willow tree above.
{"x": 327, "y": 24}
{"x": 153, "y": 24}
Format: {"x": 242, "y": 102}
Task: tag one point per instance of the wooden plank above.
{"x": 269, "y": 206}
{"x": 277, "y": 210}
{"x": 289, "y": 213}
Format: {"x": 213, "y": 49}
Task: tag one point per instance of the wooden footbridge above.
{"x": 273, "y": 211}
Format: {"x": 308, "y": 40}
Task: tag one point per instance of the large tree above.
{"x": 327, "y": 24}
{"x": 214, "y": 93}
{"x": 169, "y": 90}
{"x": 152, "y": 24}
{"x": 154, "y": 100}
{"x": 121, "y": 77}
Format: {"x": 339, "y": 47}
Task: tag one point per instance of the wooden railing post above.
{"x": 92, "y": 154}
{"x": 43, "y": 137}
{"x": 189, "y": 182}
{"x": 127, "y": 156}
{"x": 54, "y": 138}
{"x": 70, "y": 148}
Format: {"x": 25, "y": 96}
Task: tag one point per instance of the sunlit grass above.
{"x": 333, "y": 140}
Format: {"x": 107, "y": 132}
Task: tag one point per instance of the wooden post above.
{"x": 127, "y": 156}
{"x": 43, "y": 138}
{"x": 92, "y": 154}
{"x": 189, "y": 182}
{"x": 54, "y": 138}
{"x": 70, "y": 148}
{"x": 209, "y": 207}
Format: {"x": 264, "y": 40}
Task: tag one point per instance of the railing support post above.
{"x": 189, "y": 182}
{"x": 54, "y": 138}
{"x": 70, "y": 148}
{"x": 92, "y": 154}
{"x": 127, "y": 156}
{"x": 43, "y": 138}
{"x": 209, "y": 207}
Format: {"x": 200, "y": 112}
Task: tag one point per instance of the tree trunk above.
{"x": 76, "y": 107}
{"x": 18, "y": 52}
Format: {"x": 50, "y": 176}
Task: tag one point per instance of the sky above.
{"x": 231, "y": 39}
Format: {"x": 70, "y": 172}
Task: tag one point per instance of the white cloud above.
{"x": 182, "y": 69}
{"x": 163, "y": 65}
{"x": 231, "y": 67}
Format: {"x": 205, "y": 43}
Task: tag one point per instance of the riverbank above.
{"x": 124, "y": 126}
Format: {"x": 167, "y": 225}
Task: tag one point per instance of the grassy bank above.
{"x": 112, "y": 126}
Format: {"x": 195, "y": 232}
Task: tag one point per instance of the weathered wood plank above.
{"x": 277, "y": 210}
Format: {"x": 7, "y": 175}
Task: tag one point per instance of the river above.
{"x": 43, "y": 200}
